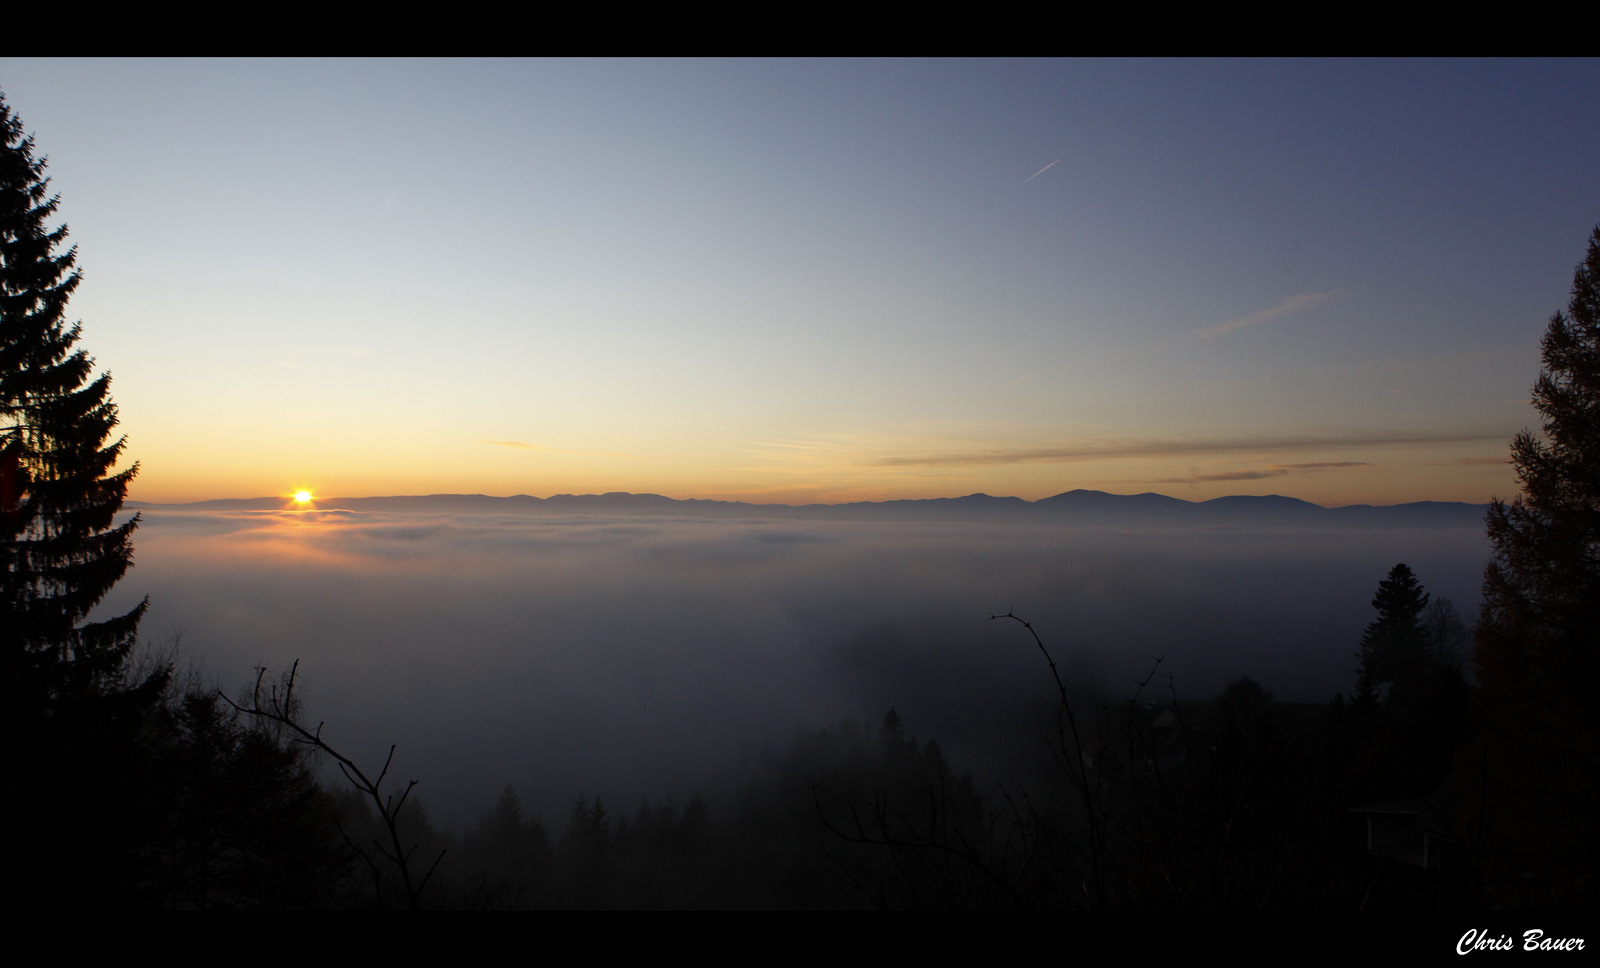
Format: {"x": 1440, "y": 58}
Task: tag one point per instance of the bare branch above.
{"x": 280, "y": 711}
{"x": 1080, "y": 775}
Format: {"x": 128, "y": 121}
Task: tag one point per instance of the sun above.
{"x": 302, "y": 497}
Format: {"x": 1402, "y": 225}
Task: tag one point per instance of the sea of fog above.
{"x": 637, "y": 656}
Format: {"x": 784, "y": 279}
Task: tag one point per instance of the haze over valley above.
{"x": 630, "y": 646}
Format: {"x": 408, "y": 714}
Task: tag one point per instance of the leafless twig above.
{"x": 1075, "y": 762}
{"x": 279, "y": 709}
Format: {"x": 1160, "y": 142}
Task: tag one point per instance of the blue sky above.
{"x": 820, "y": 280}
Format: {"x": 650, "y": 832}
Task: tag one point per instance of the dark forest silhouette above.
{"x": 138, "y": 787}
{"x": 1535, "y": 768}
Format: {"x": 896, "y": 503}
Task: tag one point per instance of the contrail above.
{"x": 1039, "y": 172}
{"x": 1293, "y": 304}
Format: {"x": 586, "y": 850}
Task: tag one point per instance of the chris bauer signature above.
{"x": 1532, "y": 940}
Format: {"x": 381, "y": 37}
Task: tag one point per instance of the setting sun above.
{"x": 302, "y": 497}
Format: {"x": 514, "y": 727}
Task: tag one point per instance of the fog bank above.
{"x": 628, "y": 655}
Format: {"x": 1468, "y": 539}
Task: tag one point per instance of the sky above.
{"x": 802, "y": 281}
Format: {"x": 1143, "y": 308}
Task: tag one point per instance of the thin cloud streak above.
{"x": 301, "y": 355}
{"x": 519, "y": 445}
{"x": 1040, "y": 171}
{"x": 1293, "y": 304}
{"x": 1276, "y": 470}
{"x": 1470, "y": 461}
{"x": 1170, "y": 448}
{"x": 1226, "y": 476}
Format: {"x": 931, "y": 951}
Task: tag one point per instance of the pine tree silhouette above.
{"x": 79, "y": 783}
{"x": 1537, "y": 646}
{"x": 60, "y": 547}
{"x": 1394, "y": 647}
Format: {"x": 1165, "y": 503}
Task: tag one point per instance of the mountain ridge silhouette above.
{"x": 1080, "y": 505}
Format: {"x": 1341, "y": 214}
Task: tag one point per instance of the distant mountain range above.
{"x": 1079, "y": 506}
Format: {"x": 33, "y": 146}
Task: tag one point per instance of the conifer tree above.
{"x": 60, "y": 548}
{"x": 80, "y": 778}
{"x": 1541, "y": 630}
{"x": 1537, "y": 646}
{"x": 1394, "y": 647}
